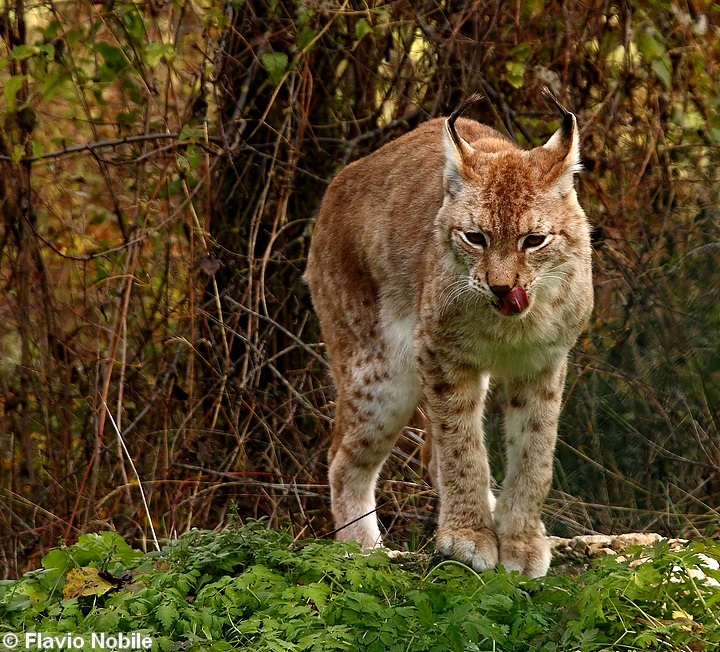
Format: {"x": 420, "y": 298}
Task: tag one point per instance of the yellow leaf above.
{"x": 681, "y": 615}
{"x": 85, "y": 581}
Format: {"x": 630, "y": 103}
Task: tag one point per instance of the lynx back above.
{"x": 445, "y": 259}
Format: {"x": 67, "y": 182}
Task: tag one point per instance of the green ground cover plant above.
{"x": 161, "y": 166}
{"x": 250, "y": 588}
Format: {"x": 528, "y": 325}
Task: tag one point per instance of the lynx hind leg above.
{"x": 430, "y": 461}
{"x": 377, "y": 395}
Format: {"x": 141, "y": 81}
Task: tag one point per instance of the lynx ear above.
{"x": 458, "y": 151}
{"x": 564, "y": 148}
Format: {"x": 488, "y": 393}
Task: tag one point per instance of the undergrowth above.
{"x": 250, "y": 588}
{"x": 161, "y": 165}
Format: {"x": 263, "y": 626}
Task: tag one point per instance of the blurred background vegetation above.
{"x": 160, "y": 167}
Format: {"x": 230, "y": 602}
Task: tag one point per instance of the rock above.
{"x": 622, "y": 541}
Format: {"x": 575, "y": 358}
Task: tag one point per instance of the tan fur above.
{"x": 408, "y": 315}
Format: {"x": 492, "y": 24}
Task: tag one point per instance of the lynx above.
{"x": 445, "y": 259}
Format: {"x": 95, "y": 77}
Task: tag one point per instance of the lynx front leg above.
{"x": 533, "y": 409}
{"x": 455, "y": 406}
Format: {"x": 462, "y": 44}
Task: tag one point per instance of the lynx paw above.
{"x": 476, "y": 548}
{"x": 528, "y": 553}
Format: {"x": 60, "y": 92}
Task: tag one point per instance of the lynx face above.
{"x": 495, "y": 260}
{"x": 505, "y": 221}
{"x": 447, "y": 259}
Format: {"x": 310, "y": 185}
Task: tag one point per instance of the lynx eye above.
{"x": 475, "y": 238}
{"x": 534, "y": 240}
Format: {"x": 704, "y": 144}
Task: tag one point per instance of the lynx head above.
{"x": 510, "y": 221}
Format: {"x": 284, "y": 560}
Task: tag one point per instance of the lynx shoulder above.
{"x": 445, "y": 260}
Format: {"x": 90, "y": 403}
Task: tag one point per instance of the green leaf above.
{"x": 663, "y": 71}
{"x": 52, "y": 30}
{"x": 713, "y": 135}
{"x": 649, "y": 46}
{"x": 57, "y": 561}
{"x": 133, "y": 22}
{"x": 194, "y": 156}
{"x": 655, "y": 52}
{"x": 304, "y": 38}
{"x": 17, "y": 154}
{"x": 12, "y": 86}
{"x": 532, "y": 8}
{"x": 101, "y": 548}
{"x": 516, "y": 73}
{"x": 275, "y": 63}
{"x": 167, "y": 614}
{"x": 128, "y": 118}
{"x": 74, "y": 35}
{"x": 106, "y": 621}
{"x": 21, "y": 52}
{"x": 53, "y": 83}
{"x": 188, "y": 132}
{"x": 114, "y": 58}
{"x": 362, "y": 29}
{"x": 156, "y": 52}
{"x": 304, "y": 16}
{"x": 48, "y": 50}
{"x": 521, "y": 52}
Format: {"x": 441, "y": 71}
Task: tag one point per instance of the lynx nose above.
{"x": 500, "y": 290}
{"x": 511, "y": 301}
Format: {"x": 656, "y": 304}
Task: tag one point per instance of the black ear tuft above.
{"x": 564, "y": 148}
{"x": 462, "y": 107}
{"x": 567, "y": 117}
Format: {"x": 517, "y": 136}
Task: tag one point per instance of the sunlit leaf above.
{"x": 663, "y": 71}
{"x": 655, "y": 52}
{"x": 21, "y": 52}
{"x": 17, "y": 153}
{"x": 275, "y": 63}
{"x": 521, "y": 52}
{"x": 362, "y": 29}
{"x": 156, "y": 52}
{"x": 12, "y": 86}
{"x": 516, "y": 73}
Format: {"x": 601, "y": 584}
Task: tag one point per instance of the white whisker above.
{"x": 453, "y": 292}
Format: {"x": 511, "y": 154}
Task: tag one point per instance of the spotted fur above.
{"x": 408, "y": 306}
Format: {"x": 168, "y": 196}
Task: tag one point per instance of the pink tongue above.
{"x": 514, "y": 302}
